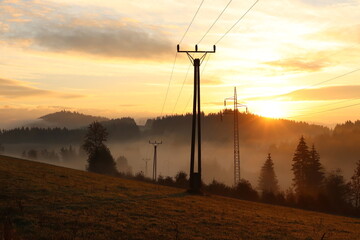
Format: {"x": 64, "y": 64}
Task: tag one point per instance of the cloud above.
{"x": 125, "y": 41}
{"x": 318, "y": 94}
{"x": 339, "y": 34}
{"x": 299, "y": 64}
{"x": 85, "y": 33}
{"x": 11, "y": 89}
{"x": 4, "y": 27}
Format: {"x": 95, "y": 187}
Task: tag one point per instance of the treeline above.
{"x": 219, "y": 127}
{"x": 41, "y": 135}
{"x": 123, "y": 129}
{"x": 64, "y": 154}
{"x": 216, "y": 128}
{"x": 313, "y": 187}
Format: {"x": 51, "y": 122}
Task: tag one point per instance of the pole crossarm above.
{"x": 155, "y": 143}
{"x": 239, "y": 105}
{"x": 191, "y": 58}
{"x": 196, "y": 50}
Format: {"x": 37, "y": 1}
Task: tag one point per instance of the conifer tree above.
{"x": 314, "y": 173}
{"x": 355, "y": 186}
{"x": 268, "y": 182}
{"x": 300, "y": 161}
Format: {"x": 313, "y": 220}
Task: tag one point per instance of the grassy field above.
{"x": 40, "y": 201}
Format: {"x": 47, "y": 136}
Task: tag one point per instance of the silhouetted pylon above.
{"x": 195, "y": 177}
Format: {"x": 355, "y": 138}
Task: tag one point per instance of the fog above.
{"x": 217, "y": 157}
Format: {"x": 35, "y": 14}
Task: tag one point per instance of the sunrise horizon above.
{"x": 64, "y": 55}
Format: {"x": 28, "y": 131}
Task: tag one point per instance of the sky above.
{"x": 293, "y": 59}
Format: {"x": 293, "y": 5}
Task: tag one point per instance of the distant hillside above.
{"x": 123, "y": 129}
{"x": 219, "y": 128}
{"x": 68, "y": 119}
{"x": 40, "y": 201}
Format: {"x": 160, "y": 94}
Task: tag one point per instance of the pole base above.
{"x": 195, "y": 183}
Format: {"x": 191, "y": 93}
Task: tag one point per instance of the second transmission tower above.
{"x": 236, "y": 136}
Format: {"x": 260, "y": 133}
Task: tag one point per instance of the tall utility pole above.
{"x": 236, "y": 136}
{"x": 146, "y": 160}
{"x": 155, "y": 144}
{"x": 195, "y": 177}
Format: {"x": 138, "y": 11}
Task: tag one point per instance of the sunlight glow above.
{"x": 270, "y": 108}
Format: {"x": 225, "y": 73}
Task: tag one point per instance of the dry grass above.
{"x": 39, "y": 201}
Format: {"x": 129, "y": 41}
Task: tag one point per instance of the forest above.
{"x": 271, "y": 145}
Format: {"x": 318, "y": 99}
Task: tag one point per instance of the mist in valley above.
{"x": 217, "y": 157}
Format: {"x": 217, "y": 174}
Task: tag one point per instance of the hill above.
{"x": 218, "y": 127}
{"x": 40, "y": 201}
{"x": 68, "y": 119}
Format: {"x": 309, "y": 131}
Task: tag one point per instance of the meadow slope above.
{"x": 40, "y": 201}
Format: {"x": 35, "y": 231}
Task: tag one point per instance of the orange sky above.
{"x": 295, "y": 59}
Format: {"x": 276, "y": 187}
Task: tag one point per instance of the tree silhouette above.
{"x": 2, "y": 149}
{"x": 336, "y": 190}
{"x": 355, "y": 186}
{"x": 100, "y": 159}
{"x": 308, "y": 174}
{"x": 244, "y": 190}
{"x": 181, "y": 179}
{"x": 68, "y": 154}
{"x": 122, "y": 165}
{"x": 300, "y": 160}
{"x": 314, "y": 173}
{"x": 268, "y": 182}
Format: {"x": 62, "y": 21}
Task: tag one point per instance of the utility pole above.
{"x": 236, "y": 136}
{"x": 146, "y": 160}
{"x": 155, "y": 144}
{"x": 195, "y": 177}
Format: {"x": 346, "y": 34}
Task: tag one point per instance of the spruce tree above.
{"x": 268, "y": 182}
{"x": 355, "y": 186}
{"x": 300, "y": 161}
{"x": 314, "y": 173}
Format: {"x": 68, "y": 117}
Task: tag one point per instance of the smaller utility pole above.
{"x": 146, "y": 160}
{"x": 155, "y": 144}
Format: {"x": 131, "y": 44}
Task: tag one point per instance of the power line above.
{"x": 331, "y": 79}
{"x": 328, "y": 110}
{"x": 202, "y": 72}
{"x": 172, "y": 71}
{"x": 203, "y": 69}
{"x": 187, "y": 104}
{"x": 237, "y": 22}
{"x": 328, "y": 80}
{"x": 192, "y": 20}
{"x": 167, "y": 90}
{"x": 330, "y": 104}
{"x": 187, "y": 72}
{"x": 212, "y": 25}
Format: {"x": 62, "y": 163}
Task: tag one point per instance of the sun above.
{"x": 269, "y": 108}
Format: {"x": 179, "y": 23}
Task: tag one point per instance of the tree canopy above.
{"x": 100, "y": 159}
{"x": 268, "y": 182}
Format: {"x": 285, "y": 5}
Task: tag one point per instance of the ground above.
{"x": 40, "y": 201}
